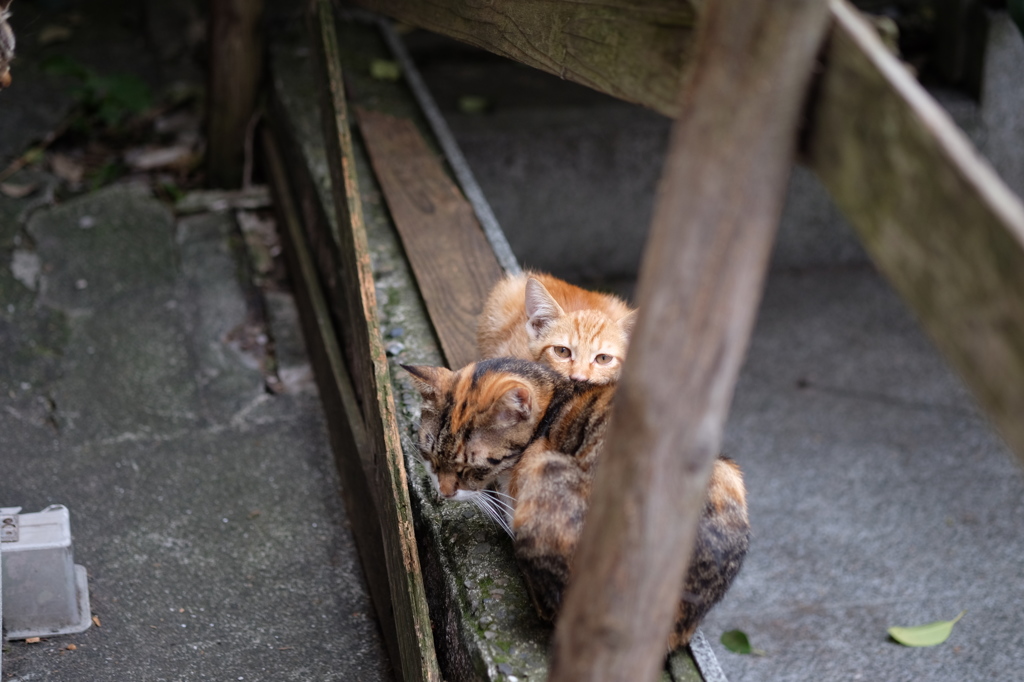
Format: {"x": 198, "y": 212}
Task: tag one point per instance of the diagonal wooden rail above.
{"x": 949, "y": 235}
{"x": 936, "y": 219}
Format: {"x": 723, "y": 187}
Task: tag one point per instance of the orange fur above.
{"x": 580, "y": 334}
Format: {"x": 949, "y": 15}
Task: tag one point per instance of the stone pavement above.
{"x": 206, "y": 509}
{"x": 879, "y": 496}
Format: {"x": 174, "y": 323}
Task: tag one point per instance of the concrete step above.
{"x": 204, "y": 508}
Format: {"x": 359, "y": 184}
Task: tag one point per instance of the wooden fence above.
{"x": 754, "y": 85}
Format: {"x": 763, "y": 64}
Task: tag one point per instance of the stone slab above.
{"x": 879, "y": 496}
{"x": 209, "y": 520}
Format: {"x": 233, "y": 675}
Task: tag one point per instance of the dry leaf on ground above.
{"x": 162, "y": 157}
{"x": 54, "y": 33}
{"x": 66, "y": 168}
{"x": 14, "y": 191}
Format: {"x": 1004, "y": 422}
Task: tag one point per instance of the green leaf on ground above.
{"x": 110, "y": 99}
{"x": 385, "y": 70}
{"x": 474, "y": 104}
{"x": 925, "y": 635}
{"x": 737, "y": 642}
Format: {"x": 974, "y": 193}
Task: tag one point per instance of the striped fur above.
{"x": 527, "y": 439}
{"x": 580, "y": 334}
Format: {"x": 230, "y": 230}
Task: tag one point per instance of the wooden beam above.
{"x": 936, "y": 219}
{"x": 345, "y": 427}
{"x": 630, "y": 49}
{"x": 347, "y": 257}
{"x": 704, "y": 265}
{"x": 454, "y": 264}
{"x": 236, "y": 64}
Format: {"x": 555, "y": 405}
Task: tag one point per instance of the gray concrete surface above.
{"x": 879, "y": 496}
{"x": 205, "y": 509}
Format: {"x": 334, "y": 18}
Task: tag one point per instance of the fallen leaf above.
{"x": 930, "y": 634}
{"x": 737, "y": 642}
{"x": 71, "y": 647}
{"x": 14, "y": 191}
{"x": 34, "y": 155}
{"x": 164, "y": 157}
{"x": 32, "y": 640}
{"x": 66, "y": 168}
{"x": 474, "y": 104}
{"x": 96, "y": 621}
{"x": 385, "y": 70}
{"x": 54, "y": 33}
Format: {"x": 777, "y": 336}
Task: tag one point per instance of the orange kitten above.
{"x": 580, "y": 334}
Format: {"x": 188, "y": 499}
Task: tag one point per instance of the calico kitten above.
{"x": 525, "y": 440}
{"x": 578, "y": 333}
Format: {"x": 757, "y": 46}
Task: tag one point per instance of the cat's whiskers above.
{"x": 502, "y": 514}
{"x": 498, "y": 503}
{"x": 498, "y": 493}
{"x": 494, "y": 508}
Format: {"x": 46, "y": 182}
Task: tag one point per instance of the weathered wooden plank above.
{"x": 453, "y": 262}
{"x": 630, "y": 49}
{"x": 345, "y": 427}
{"x": 370, "y": 370}
{"x": 717, "y": 210}
{"x": 453, "y": 154}
{"x": 936, "y": 219}
{"x": 236, "y": 64}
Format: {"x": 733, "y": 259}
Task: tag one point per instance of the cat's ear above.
{"x": 541, "y": 308}
{"x": 627, "y": 322}
{"x": 514, "y": 406}
{"x": 428, "y": 380}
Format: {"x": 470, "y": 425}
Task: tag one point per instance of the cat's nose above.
{"x": 579, "y": 376}
{"x": 447, "y": 487}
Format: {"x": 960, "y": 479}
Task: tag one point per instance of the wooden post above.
{"x": 236, "y": 63}
{"x": 718, "y": 205}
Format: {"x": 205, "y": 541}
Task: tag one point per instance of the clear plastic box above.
{"x": 43, "y": 592}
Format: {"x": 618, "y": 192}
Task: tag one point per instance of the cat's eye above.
{"x": 561, "y": 351}
{"x": 603, "y": 359}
